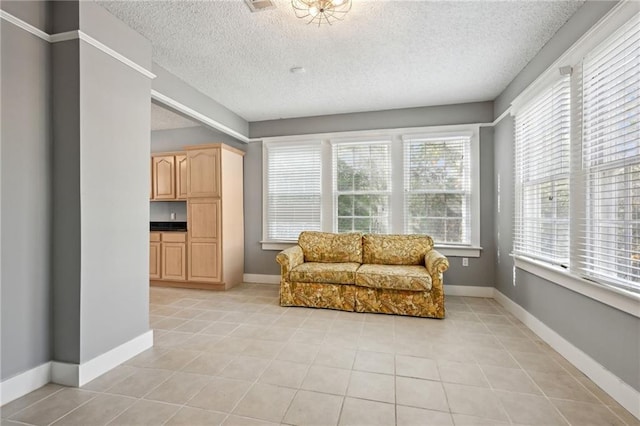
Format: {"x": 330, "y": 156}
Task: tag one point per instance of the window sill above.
{"x": 450, "y": 251}
{"x": 622, "y": 300}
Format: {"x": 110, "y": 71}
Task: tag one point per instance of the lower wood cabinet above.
{"x": 204, "y": 262}
{"x": 154, "y": 260}
{"x": 168, "y": 256}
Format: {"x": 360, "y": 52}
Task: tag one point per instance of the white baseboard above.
{"x": 64, "y": 373}
{"x": 468, "y": 291}
{"x": 79, "y": 374}
{"x": 626, "y": 395}
{"x": 261, "y": 278}
{"x": 23, "y": 383}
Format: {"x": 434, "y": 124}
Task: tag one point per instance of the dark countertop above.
{"x": 168, "y": 226}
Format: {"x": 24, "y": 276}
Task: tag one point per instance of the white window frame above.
{"x": 616, "y": 297}
{"x": 395, "y": 136}
{"x": 474, "y": 176}
{"x": 335, "y": 193}
{"x": 265, "y": 180}
{"x": 521, "y": 187}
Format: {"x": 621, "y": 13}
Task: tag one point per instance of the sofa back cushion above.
{"x": 328, "y": 247}
{"x": 395, "y": 249}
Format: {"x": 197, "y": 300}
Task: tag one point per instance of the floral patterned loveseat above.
{"x": 392, "y": 274}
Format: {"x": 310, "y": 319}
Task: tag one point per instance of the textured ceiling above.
{"x": 384, "y": 55}
{"x": 163, "y": 119}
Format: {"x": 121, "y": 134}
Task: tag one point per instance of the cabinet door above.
{"x": 164, "y": 178}
{"x": 154, "y": 260}
{"x": 181, "y": 177}
{"x": 204, "y": 219}
{"x": 203, "y": 173}
{"x": 174, "y": 261}
{"x": 204, "y": 262}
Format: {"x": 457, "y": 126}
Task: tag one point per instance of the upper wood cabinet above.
{"x": 181, "y": 177}
{"x": 203, "y": 173}
{"x": 169, "y": 176}
{"x": 164, "y": 177}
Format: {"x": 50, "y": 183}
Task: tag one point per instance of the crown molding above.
{"x": 74, "y": 35}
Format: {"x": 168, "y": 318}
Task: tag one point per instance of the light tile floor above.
{"x": 237, "y": 358}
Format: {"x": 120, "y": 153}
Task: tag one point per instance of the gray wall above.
{"x": 480, "y": 271}
{"x": 25, "y": 196}
{"x": 609, "y": 336}
{"x": 476, "y": 112}
{"x": 75, "y": 179}
{"x": 176, "y": 89}
{"x": 101, "y": 116}
{"x": 177, "y": 139}
{"x": 160, "y": 211}
{"x": 114, "y": 176}
{"x": 66, "y": 201}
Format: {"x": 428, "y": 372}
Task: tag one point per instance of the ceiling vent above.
{"x": 260, "y": 5}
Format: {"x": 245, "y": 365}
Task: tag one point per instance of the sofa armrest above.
{"x": 289, "y": 259}
{"x": 436, "y": 263}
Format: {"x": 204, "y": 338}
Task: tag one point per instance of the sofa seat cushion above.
{"x": 328, "y": 247}
{"x": 395, "y": 249}
{"x": 394, "y": 277}
{"x": 329, "y": 273}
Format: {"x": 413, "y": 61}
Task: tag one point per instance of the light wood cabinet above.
{"x": 164, "y": 177}
{"x": 168, "y": 256}
{"x": 203, "y": 218}
{"x": 174, "y": 262}
{"x": 203, "y": 172}
{"x": 204, "y": 261}
{"x": 215, "y": 215}
{"x": 169, "y": 176}
{"x": 181, "y": 177}
{"x": 154, "y": 260}
{"x": 211, "y": 254}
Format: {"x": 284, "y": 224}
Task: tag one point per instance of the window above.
{"x": 437, "y": 184}
{"x": 388, "y": 181}
{"x": 292, "y": 196}
{"x": 577, "y": 138}
{"x": 542, "y": 143}
{"x": 610, "y": 150}
{"x": 362, "y": 182}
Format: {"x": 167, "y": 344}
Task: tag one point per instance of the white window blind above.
{"x": 437, "y": 182}
{"x": 610, "y": 152}
{"x": 293, "y": 174}
{"x": 362, "y": 186}
{"x": 542, "y": 154}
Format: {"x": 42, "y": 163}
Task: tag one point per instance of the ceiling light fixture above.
{"x": 321, "y": 11}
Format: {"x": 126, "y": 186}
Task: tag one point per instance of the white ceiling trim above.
{"x": 409, "y": 131}
{"x": 109, "y": 51}
{"x": 166, "y": 100}
{"x": 25, "y": 26}
{"x": 73, "y": 35}
{"x": 68, "y": 35}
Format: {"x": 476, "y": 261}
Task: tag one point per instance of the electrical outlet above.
{"x": 465, "y": 261}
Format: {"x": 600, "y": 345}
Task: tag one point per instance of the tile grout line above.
{"x": 33, "y": 403}
{"x": 256, "y": 307}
